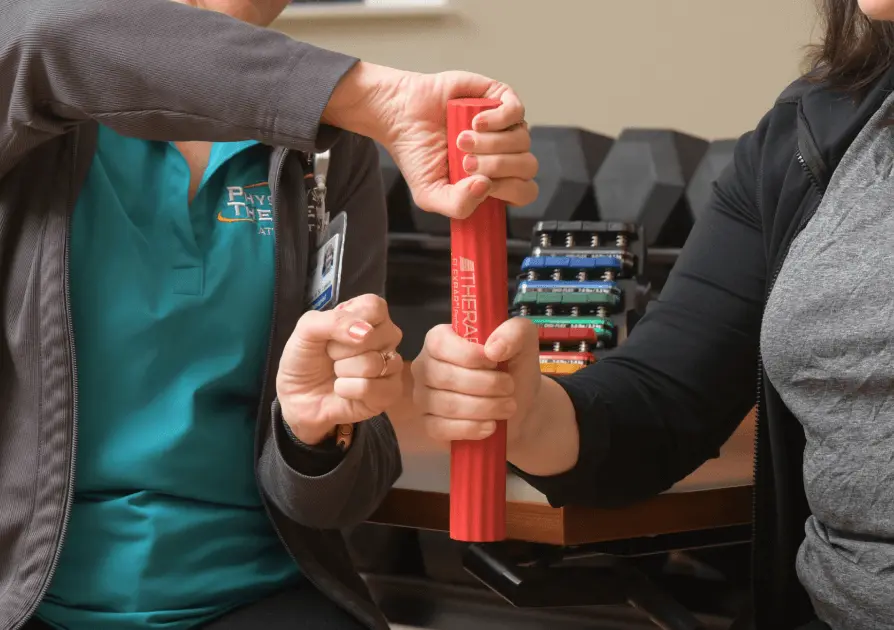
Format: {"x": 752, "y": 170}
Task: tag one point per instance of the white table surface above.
{"x": 429, "y": 471}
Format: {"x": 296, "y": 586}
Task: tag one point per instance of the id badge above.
{"x": 325, "y": 278}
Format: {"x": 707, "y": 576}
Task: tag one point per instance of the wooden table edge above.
{"x": 538, "y": 522}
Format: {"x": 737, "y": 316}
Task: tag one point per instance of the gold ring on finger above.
{"x": 386, "y": 359}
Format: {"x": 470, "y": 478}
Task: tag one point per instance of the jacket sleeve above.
{"x": 157, "y": 70}
{"x": 318, "y": 487}
{"x": 665, "y": 401}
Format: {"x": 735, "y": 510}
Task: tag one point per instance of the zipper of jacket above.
{"x": 63, "y": 530}
{"x": 358, "y": 612}
{"x": 801, "y": 225}
{"x": 760, "y": 360}
{"x": 280, "y": 166}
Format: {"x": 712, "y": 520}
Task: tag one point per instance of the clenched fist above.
{"x": 406, "y": 112}
{"x": 460, "y": 391}
{"x": 339, "y": 367}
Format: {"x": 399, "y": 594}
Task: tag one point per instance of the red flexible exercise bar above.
{"x": 480, "y": 297}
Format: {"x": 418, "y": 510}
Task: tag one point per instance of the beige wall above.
{"x": 709, "y": 67}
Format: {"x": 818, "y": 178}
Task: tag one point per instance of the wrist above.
{"x": 531, "y": 426}
{"x": 308, "y": 433}
{"x": 360, "y": 102}
{"x": 548, "y": 442}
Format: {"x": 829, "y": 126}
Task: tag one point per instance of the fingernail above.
{"x": 465, "y": 141}
{"x": 487, "y": 428}
{"x": 480, "y": 188}
{"x": 359, "y": 330}
{"x": 480, "y": 124}
{"x": 496, "y": 350}
{"x": 470, "y": 163}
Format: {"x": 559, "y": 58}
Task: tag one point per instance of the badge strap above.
{"x": 319, "y": 219}
{"x": 318, "y": 222}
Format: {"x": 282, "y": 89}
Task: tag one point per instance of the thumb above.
{"x": 515, "y": 341}
{"x": 461, "y": 84}
{"x": 456, "y": 201}
{"x": 316, "y": 329}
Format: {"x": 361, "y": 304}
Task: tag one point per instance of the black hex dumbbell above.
{"x": 569, "y": 157}
{"x": 643, "y": 180}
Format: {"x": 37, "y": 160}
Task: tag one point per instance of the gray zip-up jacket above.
{"x": 158, "y": 70}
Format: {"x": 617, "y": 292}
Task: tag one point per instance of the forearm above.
{"x": 549, "y": 441}
{"x": 359, "y": 97}
{"x": 547, "y": 444}
{"x": 158, "y": 70}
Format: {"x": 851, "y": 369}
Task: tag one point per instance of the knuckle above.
{"x": 531, "y": 163}
{"x": 358, "y": 300}
{"x": 436, "y": 338}
{"x": 506, "y": 384}
{"x": 430, "y": 341}
{"x": 529, "y": 330}
{"x": 309, "y": 317}
{"x": 495, "y": 163}
{"x": 419, "y": 368}
{"x": 501, "y": 383}
{"x": 533, "y": 190}
{"x": 364, "y": 387}
{"x": 397, "y": 334}
{"x": 309, "y": 320}
{"x": 371, "y": 366}
{"x": 356, "y": 367}
{"x": 367, "y": 303}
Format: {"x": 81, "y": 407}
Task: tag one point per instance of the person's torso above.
{"x": 828, "y": 347}
{"x": 39, "y": 417}
{"x": 172, "y": 307}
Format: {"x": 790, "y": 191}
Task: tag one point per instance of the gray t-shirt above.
{"x": 828, "y": 347}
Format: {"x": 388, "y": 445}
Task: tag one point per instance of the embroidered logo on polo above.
{"x": 249, "y": 204}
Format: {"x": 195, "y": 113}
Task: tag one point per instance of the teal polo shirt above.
{"x": 172, "y": 307}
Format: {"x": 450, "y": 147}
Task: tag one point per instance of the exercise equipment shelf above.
{"x": 716, "y": 496}
{"x": 514, "y": 246}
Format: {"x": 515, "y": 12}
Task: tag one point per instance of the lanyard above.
{"x": 317, "y": 215}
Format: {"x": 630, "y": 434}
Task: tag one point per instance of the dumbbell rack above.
{"x": 582, "y": 286}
